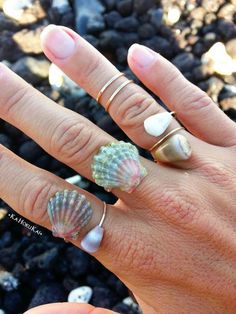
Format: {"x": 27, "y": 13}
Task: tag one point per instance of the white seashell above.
{"x": 175, "y": 148}
{"x": 157, "y": 124}
{"x": 91, "y": 242}
{"x": 69, "y": 212}
{"x": 81, "y": 294}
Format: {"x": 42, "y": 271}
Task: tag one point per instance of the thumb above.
{"x": 68, "y": 308}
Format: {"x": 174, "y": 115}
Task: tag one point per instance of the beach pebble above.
{"x": 24, "y": 11}
{"x": 81, "y": 295}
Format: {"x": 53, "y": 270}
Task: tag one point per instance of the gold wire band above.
{"x": 103, "y": 215}
{"x": 165, "y": 138}
{"x": 102, "y": 90}
{"x": 115, "y": 93}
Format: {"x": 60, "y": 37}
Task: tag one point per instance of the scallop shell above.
{"x": 117, "y": 165}
{"x": 69, "y": 212}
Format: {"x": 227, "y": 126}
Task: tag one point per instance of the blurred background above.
{"x": 198, "y": 36}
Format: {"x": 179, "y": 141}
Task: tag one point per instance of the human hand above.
{"x": 172, "y": 241}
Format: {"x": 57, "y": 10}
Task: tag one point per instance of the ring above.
{"x": 69, "y": 211}
{"x": 102, "y": 90}
{"x": 115, "y": 93}
{"x": 172, "y": 147}
{"x": 117, "y": 165}
{"x": 93, "y": 239}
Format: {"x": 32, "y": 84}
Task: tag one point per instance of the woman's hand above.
{"x": 173, "y": 240}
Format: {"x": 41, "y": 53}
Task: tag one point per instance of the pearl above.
{"x": 91, "y": 242}
{"x": 157, "y": 124}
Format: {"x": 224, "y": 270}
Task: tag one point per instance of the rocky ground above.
{"x": 199, "y": 37}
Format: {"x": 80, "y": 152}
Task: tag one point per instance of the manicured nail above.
{"x": 141, "y": 55}
{"x": 58, "y": 42}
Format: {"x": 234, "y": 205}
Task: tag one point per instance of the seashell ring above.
{"x": 70, "y": 211}
{"x": 117, "y": 165}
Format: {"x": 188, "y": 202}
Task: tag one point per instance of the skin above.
{"x": 173, "y": 240}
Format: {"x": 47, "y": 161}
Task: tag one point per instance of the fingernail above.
{"x": 58, "y": 42}
{"x": 141, "y": 55}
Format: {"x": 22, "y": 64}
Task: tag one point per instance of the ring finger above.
{"x": 130, "y": 107}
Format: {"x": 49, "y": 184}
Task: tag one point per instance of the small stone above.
{"x": 142, "y": 6}
{"x": 62, "y": 6}
{"x": 125, "y": 7}
{"x": 2, "y": 312}
{"x": 212, "y": 5}
{"x": 173, "y": 15}
{"x": 227, "y": 12}
{"x": 96, "y": 25}
{"x": 3, "y": 213}
{"x": 156, "y": 17}
{"x": 157, "y": 124}
{"x": 134, "y": 306}
{"x": 146, "y": 31}
{"x": 227, "y": 97}
{"x": 31, "y": 69}
{"x": 231, "y": 48}
{"x": 24, "y": 11}
{"x": 81, "y": 295}
{"x": 29, "y": 40}
{"x": 219, "y": 60}
{"x": 85, "y": 11}
{"x": 111, "y": 18}
{"x": 127, "y": 24}
{"x": 110, "y": 39}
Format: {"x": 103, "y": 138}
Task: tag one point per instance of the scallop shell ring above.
{"x": 117, "y": 165}
{"x": 68, "y": 211}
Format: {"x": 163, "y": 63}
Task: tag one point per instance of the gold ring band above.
{"x": 116, "y": 92}
{"x": 156, "y": 145}
{"x": 102, "y": 90}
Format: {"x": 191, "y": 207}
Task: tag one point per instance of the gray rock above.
{"x": 32, "y": 70}
{"x": 156, "y": 17}
{"x": 95, "y": 25}
{"x": 29, "y": 40}
{"x": 86, "y": 10}
{"x": 127, "y": 24}
{"x": 125, "y": 7}
{"x": 142, "y": 6}
{"x": 112, "y": 18}
{"x": 110, "y": 39}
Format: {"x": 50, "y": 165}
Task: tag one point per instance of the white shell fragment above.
{"x": 91, "y": 242}
{"x": 81, "y": 294}
{"x": 175, "y": 148}
{"x": 157, "y": 124}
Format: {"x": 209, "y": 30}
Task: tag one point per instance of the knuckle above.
{"x": 72, "y": 142}
{"x": 90, "y": 70}
{"x": 33, "y": 199}
{"x": 134, "y": 110}
{"x": 17, "y": 98}
{"x": 193, "y": 99}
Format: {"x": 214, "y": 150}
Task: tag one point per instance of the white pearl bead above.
{"x": 92, "y": 240}
{"x": 157, "y": 124}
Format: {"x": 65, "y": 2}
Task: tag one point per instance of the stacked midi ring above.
{"x": 115, "y": 93}
{"x": 172, "y": 147}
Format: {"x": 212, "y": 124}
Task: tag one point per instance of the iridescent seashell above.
{"x": 69, "y": 212}
{"x": 117, "y": 165}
